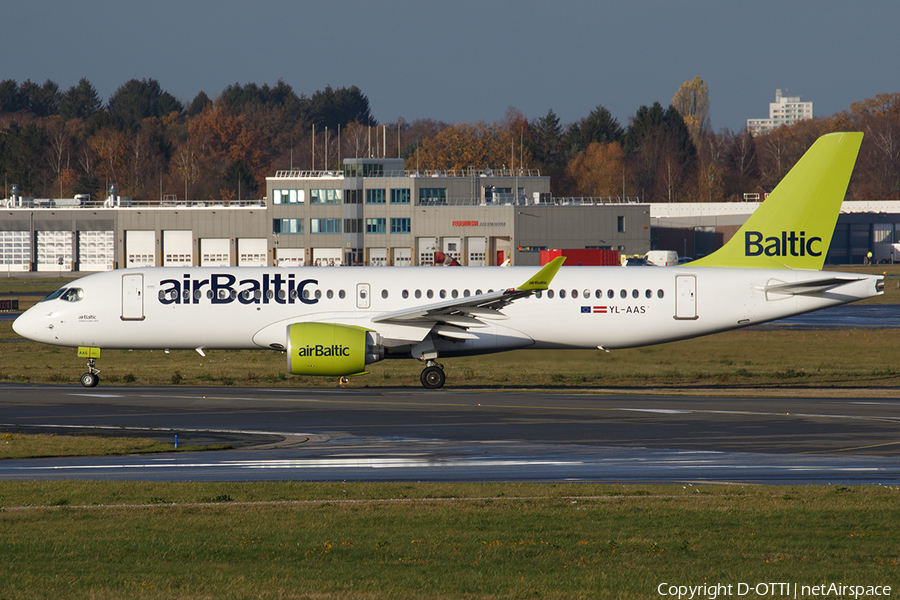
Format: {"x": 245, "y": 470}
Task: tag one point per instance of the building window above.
{"x": 325, "y": 196}
{"x": 375, "y": 226}
{"x": 352, "y": 225}
{"x": 288, "y": 196}
{"x": 433, "y": 196}
{"x": 287, "y": 225}
{"x": 400, "y": 225}
{"x": 353, "y": 197}
{"x": 620, "y": 224}
{"x": 374, "y": 196}
{"x": 399, "y": 196}
{"x": 325, "y": 225}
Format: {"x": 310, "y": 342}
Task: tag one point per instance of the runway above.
{"x": 402, "y": 434}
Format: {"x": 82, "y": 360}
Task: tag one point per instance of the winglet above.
{"x": 541, "y": 280}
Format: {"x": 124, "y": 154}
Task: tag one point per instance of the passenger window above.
{"x": 648, "y": 293}
{"x": 405, "y": 294}
{"x": 384, "y": 294}
{"x": 443, "y": 293}
{"x": 429, "y": 294}
{"x": 587, "y": 293}
{"x": 454, "y": 294}
{"x": 635, "y": 294}
{"x": 659, "y": 293}
{"x": 598, "y": 294}
{"x": 562, "y": 293}
{"x": 281, "y": 294}
{"x": 329, "y": 294}
{"x": 342, "y": 294}
{"x": 610, "y": 294}
{"x": 477, "y": 292}
{"x": 538, "y": 294}
{"x": 318, "y": 294}
{"x": 550, "y": 293}
{"x": 623, "y": 293}
{"x": 418, "y": 294}
{"x": 466, "y": 293}
{"x": 574, "y": 293}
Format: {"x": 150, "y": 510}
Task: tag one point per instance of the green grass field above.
{"x": 357, "y": 540}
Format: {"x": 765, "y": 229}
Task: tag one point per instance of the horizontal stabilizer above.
{"x": 809, "y": 288}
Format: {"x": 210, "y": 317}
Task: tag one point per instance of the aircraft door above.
{"x": 133, "y": 297}
{"x": 685, "y": 297}
{"x": 362, "y": 295}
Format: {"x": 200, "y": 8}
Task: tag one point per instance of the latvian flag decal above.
{"x": 594, "y": 309}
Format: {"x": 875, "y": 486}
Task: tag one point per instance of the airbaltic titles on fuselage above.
{"x": 223, "y": 288}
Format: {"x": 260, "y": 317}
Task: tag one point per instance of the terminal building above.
{"x": 373, "y": 212}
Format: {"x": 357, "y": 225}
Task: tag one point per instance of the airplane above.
{"x": 336, "y": 321}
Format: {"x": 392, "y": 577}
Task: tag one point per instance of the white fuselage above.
{"x": 585, "y": 307}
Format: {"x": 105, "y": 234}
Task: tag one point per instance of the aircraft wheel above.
{"x": 90, "y": 380}
{"x": 433, "y": 378}
{"x": 344, "y": 381}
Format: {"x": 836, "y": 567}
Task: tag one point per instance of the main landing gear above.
{"x": 92, "y": 377}
{"x": 432, "y": 376}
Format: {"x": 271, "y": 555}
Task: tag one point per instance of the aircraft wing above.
{"x": 452, "y": 318}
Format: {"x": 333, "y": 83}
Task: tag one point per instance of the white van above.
{"x": 662, "y": 258}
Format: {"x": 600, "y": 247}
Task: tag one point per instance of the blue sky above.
{"x": 469, "y": 60}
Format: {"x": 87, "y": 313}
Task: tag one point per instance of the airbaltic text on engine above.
{"x": 220, "y": 289}
{"x": 320, "y": 350}
{"x": 789, "y": 244}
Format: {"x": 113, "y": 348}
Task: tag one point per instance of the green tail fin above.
{"x": 793, "y": 227}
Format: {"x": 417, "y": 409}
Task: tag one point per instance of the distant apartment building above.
{"x": 786, "y": 110}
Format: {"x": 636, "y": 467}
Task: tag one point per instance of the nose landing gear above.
{"x": 92, "y": 377}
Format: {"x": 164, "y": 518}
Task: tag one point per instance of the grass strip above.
{"x": 29, "y": 445}
{"x": 359, "y": 540}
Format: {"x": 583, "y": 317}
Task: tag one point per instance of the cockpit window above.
{"x": 73, "y": 295}
{"x": 56, "y": 294}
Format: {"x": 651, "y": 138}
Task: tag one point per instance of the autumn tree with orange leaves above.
{"x": 599, "y": 170}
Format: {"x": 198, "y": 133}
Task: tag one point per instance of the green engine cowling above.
{"x": 331, "y": 349}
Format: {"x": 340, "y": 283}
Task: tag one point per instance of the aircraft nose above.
{"x": 21, "y": 324}
{"x": 32, "y": 326}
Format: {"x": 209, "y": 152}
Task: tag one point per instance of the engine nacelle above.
{"x": 331, "y": 349}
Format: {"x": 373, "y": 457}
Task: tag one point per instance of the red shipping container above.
{"x": 585, "y": 257}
